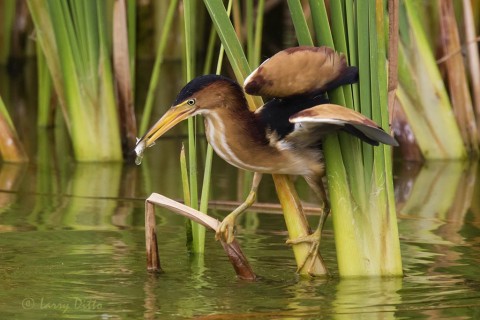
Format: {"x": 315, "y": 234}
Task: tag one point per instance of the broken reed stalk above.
{"x": 151, "y": 243}
{"x": 292, "y": 209}
{"x": 234, "y": 252}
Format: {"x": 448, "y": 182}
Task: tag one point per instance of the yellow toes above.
{"x": 226, "y": 230}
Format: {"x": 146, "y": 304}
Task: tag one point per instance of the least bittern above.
{"x": 285, "y": 135}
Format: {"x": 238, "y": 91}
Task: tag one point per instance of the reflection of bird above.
{"x": 284, "y": 136}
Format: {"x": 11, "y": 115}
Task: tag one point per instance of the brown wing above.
{"x": 300, "y": 70}
{"x": 331, "y": 117}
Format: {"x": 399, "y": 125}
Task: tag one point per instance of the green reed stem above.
{"x": 207, "y": 65}
{"x": 299, "y": 22}
{"x": 250, "y": 26}
{"x": 186, "y": 194}
{"x": 359, "y": 177}
{"x": 207, "y": 174}
{"x": 198, "y": 231}
{"x": 45, "y": 115}
{"x": 422, "y": 87}
{"x": 73, "y": 36}
{"x": 257, "y": 48}
{"x": 147, "y": 110}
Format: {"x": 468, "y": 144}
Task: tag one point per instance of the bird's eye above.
{"x": 191, "y": 102}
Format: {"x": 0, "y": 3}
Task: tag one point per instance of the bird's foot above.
{"x": 314, "y": 240}
{"x": 226, "y": 229}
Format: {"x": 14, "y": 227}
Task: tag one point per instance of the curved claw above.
{"x": 314, "y": 240}
{"x": 226, "y": 229}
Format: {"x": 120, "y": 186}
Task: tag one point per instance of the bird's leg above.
{"x": 314, "y": 238}
{"x": 226, "y": 228}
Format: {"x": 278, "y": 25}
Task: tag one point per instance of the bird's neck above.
{"x": 237, "y": 123}
{"x": 234, "y": 133}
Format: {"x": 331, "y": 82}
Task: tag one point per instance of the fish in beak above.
{"x": 172, "y": 117}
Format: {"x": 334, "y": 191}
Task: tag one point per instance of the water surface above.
{"x": 72, "y": 246}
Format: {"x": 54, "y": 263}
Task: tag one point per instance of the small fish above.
{"x": 138, "y": 160}
{"x": 139, "y": 149}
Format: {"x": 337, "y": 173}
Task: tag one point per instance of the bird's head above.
{"x": 202, "y": 95}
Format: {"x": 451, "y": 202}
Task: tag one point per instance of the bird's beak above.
{"x": 173, "y": 116}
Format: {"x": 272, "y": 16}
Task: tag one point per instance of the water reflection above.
{"x": 435, "y": 201}
{"x": 437, "y": 189}
{"x": 10, "y": 178}
{"x": 378, "y": 297}
{"x": 85, "y": 241}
